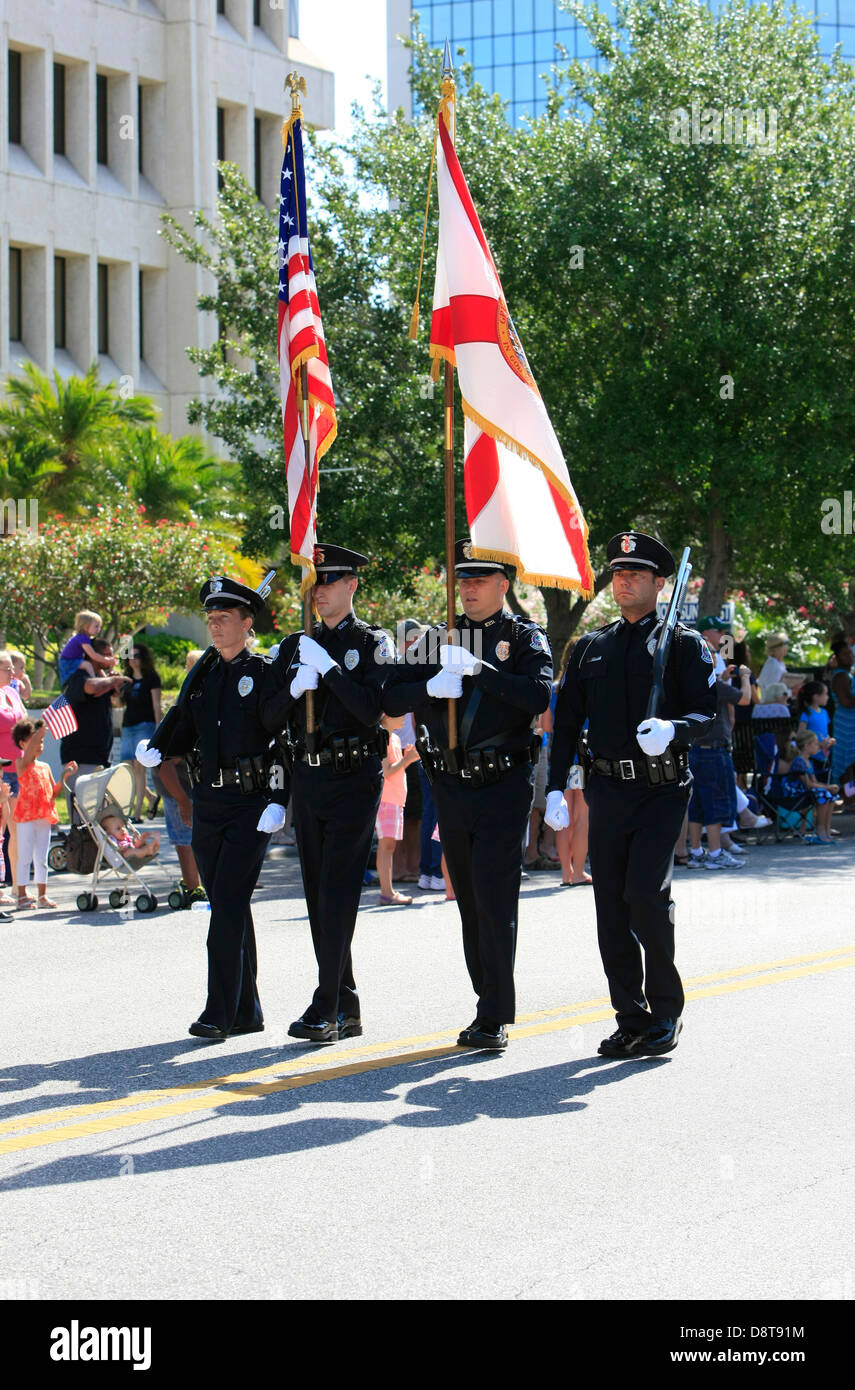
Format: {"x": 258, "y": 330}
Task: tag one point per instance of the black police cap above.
{"x": 467, "y": 568}
{"x": 337, "y": 561}
{"x": 637, "y": 550}
{"x": 221, "y": 592}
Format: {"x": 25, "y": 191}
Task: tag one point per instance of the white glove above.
{"x": 445, "y": 685}
{"x": 454, "y": 658}
{"x": 313, "y": 654}
{"x": 273, "y": 651}
{"x": 654, "y": 735}
{"x": 556, "y": 815}
{"x": 149, "y": 757}
{"x": 305, "y": 679}
{"x": 271, "y": 819}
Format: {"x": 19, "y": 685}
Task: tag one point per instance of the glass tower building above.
{"x": 512, "y": 42}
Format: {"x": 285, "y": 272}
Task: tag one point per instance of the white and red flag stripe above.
{"x": 520, "y": 503}
{"x": 301, "y": 339}
{"x": 60, "y": 718}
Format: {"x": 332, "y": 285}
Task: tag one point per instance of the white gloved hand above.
{"x": 445, "y": 685}
{"x": 556, "y": 815}
{"x": 271, "y": 819}
{"x": 459, "y": 659}
{"x": 313, "y": 654}
{"x": 273, "y": 651}
{"x": 149, "y": 757}
{"x": 305, "y": 679}
{"x": 654, "y": 735}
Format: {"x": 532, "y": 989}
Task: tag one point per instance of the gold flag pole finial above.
{"x": 295, "y": 85}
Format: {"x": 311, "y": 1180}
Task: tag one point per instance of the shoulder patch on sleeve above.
{"x": 539, "y": 642}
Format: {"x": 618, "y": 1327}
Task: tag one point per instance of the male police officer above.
{"x": 221, "y": 732}
{"x": 502, "y": 667}
{"x": 636, "y": 804}
{"x": 337, "y": 777}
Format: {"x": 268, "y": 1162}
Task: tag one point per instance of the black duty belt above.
{"x": 668, "y": 767}
{"x": 345, "y": 752}
{"x": 250, "y": 774}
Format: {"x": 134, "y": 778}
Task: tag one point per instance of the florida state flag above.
{"x": 520, "y": 503}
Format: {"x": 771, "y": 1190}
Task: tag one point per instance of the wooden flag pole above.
{"x": 295, "y": 85}
{"x": 447, "y": 114}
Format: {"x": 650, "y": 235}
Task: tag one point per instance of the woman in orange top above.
{"x": 35, "y": 812}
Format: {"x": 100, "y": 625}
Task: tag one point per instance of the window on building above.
{"x": 59, "y": 301}
{"x": 14, "y": 97}
{"x": 140, "y": 99}
{"x": 103, "y": 309}
{"x": 101, "y": 141}
{"x": 221, "y": 6}
{"x": 294, "y": 19}
{"x": 16, "y": 295}
{"x": 142, "y": 316}
{"x": 258, "y": 182}
{"x": 59, "y": 108}
{"x": 221, "y": 142}
{"x": 256, "y": 13}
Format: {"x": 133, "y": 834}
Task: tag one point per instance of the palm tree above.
{"x": 179, "y": 479}
{"x": 65, "y": 435}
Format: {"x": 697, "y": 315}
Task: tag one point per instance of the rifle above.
{"x": 166, "y": 729}
{"x": 666, "y": 635}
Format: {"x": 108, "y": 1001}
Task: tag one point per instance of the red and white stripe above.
{"x": 301, "y": 339}
{"x": 520, "y": 502}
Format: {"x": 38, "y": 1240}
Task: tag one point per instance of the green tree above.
{"x": 179, "y": 479}
{"x": 696, "y": 359}
{"x": 64, "y": 436}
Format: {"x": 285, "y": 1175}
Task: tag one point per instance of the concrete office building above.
{"x": 510, "y": 43}
{"x": 114, "y": 112}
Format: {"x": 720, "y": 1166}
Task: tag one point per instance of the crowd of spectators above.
{"x": 810, "y": 763}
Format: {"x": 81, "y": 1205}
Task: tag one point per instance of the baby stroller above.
{"x": 111, "y": 792}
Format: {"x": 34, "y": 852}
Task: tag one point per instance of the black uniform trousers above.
{"x": 481, "y": 829}
{"x": 229, "y": 851}
{"x": 633, "y": 828}
{"x": 333, "y": 815}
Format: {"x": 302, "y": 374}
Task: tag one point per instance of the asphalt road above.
{"x": 138, "y": 1163}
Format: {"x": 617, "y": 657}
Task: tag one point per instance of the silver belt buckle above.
{"x": 313, "y": 759}
{"x": 219, "y": 781}
{"x": 465, "y": 772}
{"x": 627, "y": 769}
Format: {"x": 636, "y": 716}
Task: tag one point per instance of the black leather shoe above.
{"x": 207, "y": 1031}
{"x": 662, "y": 1036}
{"x": 481, "y": 1033}
{"x": 246, "y": 1028}
{"x": 349, "y": 1027}
{"x": 623, "y": 1043}
{"x": 318, "y": 1031}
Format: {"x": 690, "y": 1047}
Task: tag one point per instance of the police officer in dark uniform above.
{"x": 219, "y": 728}
{"x": 336, "y": 777}
{"x": 637, "y": 790}
{"x": 501, "y": 670}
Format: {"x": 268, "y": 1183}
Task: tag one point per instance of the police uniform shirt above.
{"x": 608, "y": 682}
{"x": 513, "y": 685}
{"x": 224, "y": 713}
{"x": 348, "y": 698}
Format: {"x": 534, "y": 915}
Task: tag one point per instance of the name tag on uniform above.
{"x": 245, "y": 685}
{"x": 351, "y": 658}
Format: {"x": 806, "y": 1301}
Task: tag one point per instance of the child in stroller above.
{"x": 128, "y": 841}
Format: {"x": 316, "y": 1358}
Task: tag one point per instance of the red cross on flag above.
{"x": 520, "y": 503}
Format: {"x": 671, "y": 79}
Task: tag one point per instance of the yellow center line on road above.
{"x": 753, "y": 977}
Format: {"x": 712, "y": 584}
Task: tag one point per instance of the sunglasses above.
{"x": 333, "y": 577}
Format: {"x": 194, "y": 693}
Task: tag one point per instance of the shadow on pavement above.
{"x": 453, "y": 1099}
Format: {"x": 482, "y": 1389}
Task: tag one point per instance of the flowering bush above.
{"x": 116, "y": 562}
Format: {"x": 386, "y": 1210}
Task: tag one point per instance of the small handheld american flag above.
{"x": 60, "y": 718}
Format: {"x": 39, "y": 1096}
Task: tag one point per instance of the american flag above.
{"x": 60, "y": 718}
{"x": 301, "y": 339}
